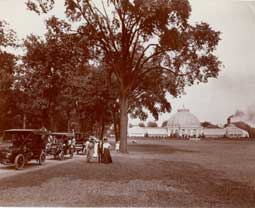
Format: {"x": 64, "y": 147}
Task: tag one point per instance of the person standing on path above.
{"x": 117, "y": 146}
{"x": 95, "y": 153}
{"x": 106, "y": 151}
{"x": 90, "y": 150}
{"x": 100, "y": 151}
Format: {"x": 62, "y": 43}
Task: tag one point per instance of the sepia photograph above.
{"x": 127, "y": 103}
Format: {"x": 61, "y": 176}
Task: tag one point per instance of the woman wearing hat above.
{"x": 90, "y": 149}
{"x": 106, "y": 151}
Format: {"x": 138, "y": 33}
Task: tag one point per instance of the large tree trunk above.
{"x": 53, "y": 126}
{"x": 116, "y": 125}
{"x": 102, "y": 128}
{"x": 123, "y": 122}
{"x": 24, "y": 122}
{"x": 68, "y": 125}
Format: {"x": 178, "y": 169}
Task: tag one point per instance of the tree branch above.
{"x": 103, "y": 41}
{"x": 108, "y": 26}
{"x": 142, "y": 55}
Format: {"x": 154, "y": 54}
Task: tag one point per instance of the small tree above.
{"x": 152, "y": 124}
{"x": 164, "y": 124}
{"x": 141, "y": 124}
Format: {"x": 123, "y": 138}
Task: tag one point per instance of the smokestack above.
{"x": 229, "y": 119}
{"x": 247, "y": 117}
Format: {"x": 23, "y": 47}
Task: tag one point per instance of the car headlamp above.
{"x": 8, "y": 155}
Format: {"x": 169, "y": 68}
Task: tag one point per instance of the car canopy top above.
{"x": 61, "y": 134}
{"x": 81, "y": 133}
{"x": 26, "y": 131}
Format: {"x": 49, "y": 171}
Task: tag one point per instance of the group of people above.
{"x": 67, "y": 142}
{"x": 99, "y": 149}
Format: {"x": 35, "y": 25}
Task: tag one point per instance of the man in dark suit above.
{"x": 100, "y": 151}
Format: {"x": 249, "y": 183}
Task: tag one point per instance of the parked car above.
{"x": 19, "y": 146}
{"x": 60, "y": 144}
{"x": 80, "y": 142}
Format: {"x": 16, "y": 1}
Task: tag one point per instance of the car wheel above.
{"x": 42, "y": 158}
{"x": 61, "y": 155}
{"x": 71, "y": 153}
{"x": 19, "y": 161}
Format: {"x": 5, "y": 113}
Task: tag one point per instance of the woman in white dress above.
{"x": 90, "y": 150}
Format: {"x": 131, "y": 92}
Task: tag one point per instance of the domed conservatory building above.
{"x": 184, "y": 124}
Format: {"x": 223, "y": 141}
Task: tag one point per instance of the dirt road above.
{"x": 32, "y": 166}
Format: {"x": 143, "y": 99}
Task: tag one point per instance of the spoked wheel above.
{"x": 61, "y": 155}
{"x": 42, "y": 158}
{"x": 19, "y": 161}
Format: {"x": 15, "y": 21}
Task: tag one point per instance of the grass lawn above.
{"x": 154, "y": 173}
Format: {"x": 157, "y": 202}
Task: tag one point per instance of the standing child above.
{"x": 117, "y": 146}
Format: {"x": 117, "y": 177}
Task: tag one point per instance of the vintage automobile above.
{"x": 60, "y": 144}
{"x": 80, "y": 142}
{"x": 19, "y": 146}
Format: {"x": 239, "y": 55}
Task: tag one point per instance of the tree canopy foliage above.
{"x": 148, "y": 45}
{"x": 105, "y": 60}
{"x": 207, "y": 124}
{"x": 48, "y": 67}
{"x": 7, "y": 71}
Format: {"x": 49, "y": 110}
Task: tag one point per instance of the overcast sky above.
{"x": 214, "y": 101}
